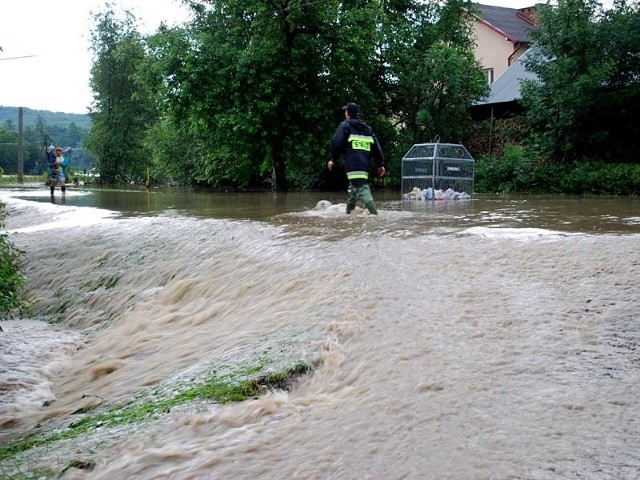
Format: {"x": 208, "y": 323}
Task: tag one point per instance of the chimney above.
{"x": 529, "y": 14}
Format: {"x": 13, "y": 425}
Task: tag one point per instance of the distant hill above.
{"x": 57, "y": 119}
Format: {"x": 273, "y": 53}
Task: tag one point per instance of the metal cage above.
{"x": 440, "y": 166}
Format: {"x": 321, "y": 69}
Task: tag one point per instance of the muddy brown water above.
{"x": 494, "y": 338}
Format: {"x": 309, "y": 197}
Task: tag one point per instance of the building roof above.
{"x": 514, "y": 23}
{"x": 507, "y": 87}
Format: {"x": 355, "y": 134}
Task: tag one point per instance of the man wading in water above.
{"x": 356, "y": 141}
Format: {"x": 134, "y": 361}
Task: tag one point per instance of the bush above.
{"x": 519, "y": 171}
{"x": 11, "y": 280}
{"x": 598, "y": 178}
{"x": 515, "y": 171}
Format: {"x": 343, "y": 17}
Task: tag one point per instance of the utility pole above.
{"x": 20, "y": 140}
{"x": 20, "y": 147}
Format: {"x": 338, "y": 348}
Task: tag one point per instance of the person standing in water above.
{"x": 58, "y": 171}
{"x": 356, "y": 141}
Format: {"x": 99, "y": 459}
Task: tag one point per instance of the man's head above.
{"x": 58, "y": 151}
{"x": 352, "y": 109}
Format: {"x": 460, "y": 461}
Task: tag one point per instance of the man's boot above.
{"x": 351, "y": 199}
{"x": 367, "y": 199}
{"x": 371, "y": 206}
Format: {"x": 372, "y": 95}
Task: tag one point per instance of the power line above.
{"x": 18, "y": 58}
{"x": 225, "y": 22}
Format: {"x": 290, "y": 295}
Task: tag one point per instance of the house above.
{"x": 504, "y": 93}
{"x": 502, "y": 43}
{"x": 501, "y": 36}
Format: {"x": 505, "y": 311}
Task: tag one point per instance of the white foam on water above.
{"x": 513, "y": 233}
{"x": 54, "y": 216}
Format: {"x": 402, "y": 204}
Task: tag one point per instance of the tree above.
{"x": 617, "y": 105}
{"x": 8, "y": 149}
{"x": 258, "y": 79}
{"x": 585, "y": 101}
{"x": 225, "y": 89}
{"x": 123, "y": 107}
{"x": 435, "y": 75}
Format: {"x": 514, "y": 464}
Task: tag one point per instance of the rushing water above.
{"x": 495, "y": 338}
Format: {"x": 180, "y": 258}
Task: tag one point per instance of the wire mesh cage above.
{"x": 436, "y": 171}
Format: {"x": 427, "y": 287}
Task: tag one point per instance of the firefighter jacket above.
{"x": 356, "y": 141}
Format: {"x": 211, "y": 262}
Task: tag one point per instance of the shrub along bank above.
{"x": 11, "y": 280}
{"x": 520, "y": 170}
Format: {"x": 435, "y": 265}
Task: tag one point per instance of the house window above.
{"x": 489, "y": 75}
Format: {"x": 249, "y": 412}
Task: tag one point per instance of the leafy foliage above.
{"x": 124, "y": 106}
{"x": 588, "y": 94}
{"x": 248, "y": 85}
{"x": 436, "y": 76}
{"x": 11, "y": 280}
{"x": 520, "y": 169}
{"x": 244, "y": 89}
{"x": 35, "y": 138}
{"x": 514, "y": 171}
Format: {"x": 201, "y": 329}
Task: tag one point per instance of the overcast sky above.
{"x": 52, "y": 37}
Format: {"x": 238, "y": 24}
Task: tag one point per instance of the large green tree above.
{"x": 435, "y": 75}
{"x": 124, "y": 106}
{"x": 586, "y": 101}
{"x": 259, "y": 78}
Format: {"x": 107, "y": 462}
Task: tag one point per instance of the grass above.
{"x": 236, "y": 387}
{"x": 13, "y": 179}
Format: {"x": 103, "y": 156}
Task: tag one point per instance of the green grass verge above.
{"x": 222, "y": 390}
{"x": 13, "y": 179}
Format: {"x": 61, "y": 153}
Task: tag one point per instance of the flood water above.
{"x": 492, "y": 338}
